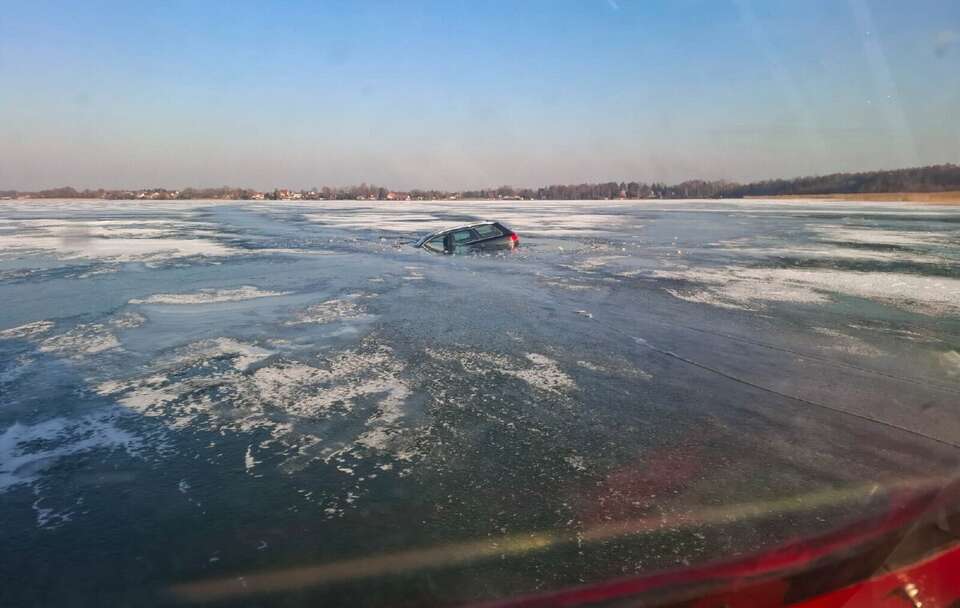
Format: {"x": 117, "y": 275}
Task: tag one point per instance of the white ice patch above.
{"x": 241, "y": 354}
{"x": 563, "y": 284}
{"x": 950, "y": 361}
{"x": 548, "y": 218}
{"x": 847, "y": 344}
{"x": 49, "y": 518}
{"x": 545, "y": 374}
{"x": 905, "y": 334}
{"x": 285, "y": 399}
{"x": 577, "y": 463}
{"x": 835, "y": 251}
{"x": 26, "y": 451}
{"x": 539, "y": 371}
{"x": 81, "y": 341}
{"x": 593, "y": 367}
{"x": 26, "y": 331}
{"x": 742, "y": 288}
{"x": 112, "y": 240}
{"x": 878, "y": 236}
{"x": 209, "y": 296}
{"x": 114, "y": 249}
{"x": 340, "y": 309}
{"x": 707, "y": 297}
{"x": 590, "y": 265}
{"x": 623, "y": 368}
{"x": 751, "y": 287}
{"x": 128, "y": 320}
{"x": 249, "y": 462}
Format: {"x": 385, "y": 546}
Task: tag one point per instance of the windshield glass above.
{"x": 435, "y": 244}
{"x": 727, "y": 325}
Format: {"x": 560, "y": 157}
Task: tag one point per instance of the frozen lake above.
{"x": 197, "y": 397}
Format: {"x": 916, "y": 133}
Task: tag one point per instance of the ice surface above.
{"x": 298, "y": 367}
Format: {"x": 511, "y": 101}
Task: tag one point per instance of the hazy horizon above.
{"x": 460, "y": 95}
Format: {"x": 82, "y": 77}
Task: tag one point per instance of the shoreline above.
{"x": 929, "y": 198}
{"x": 949, "y": 198}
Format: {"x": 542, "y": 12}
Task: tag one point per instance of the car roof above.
{"x": 426, "y": 238}
{"x": 464, "y": 226}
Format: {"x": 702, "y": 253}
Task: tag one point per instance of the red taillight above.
{"x": 514, "y": 238}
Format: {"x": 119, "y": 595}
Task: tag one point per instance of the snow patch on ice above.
{"x": 545, "y": 374}
{"x": 577, "y": 463}
{"x": 210, "y": 385}
{"x": 144, "y": 240}
{"x": 249, "y": 462}
{"x": 752, "y": 287}
{"x": 590, "y": 366}
{"x": 128, "y": 320}
{"x": 847, "y": 344}
{"x": 950, "y": 360}
{"x": 26, "y": 331}
{"x": 538, "y": 371}
{"x": 81, "y": 341}
{"x": 49, "y": 518}
{"x": 210, "y": 296}
{"x": 562, "y": 284}
{"x": 878, "y": 236}
{"x": 331, "y": 310}
{"x": 28, "y": 450}
{"x": 68, "y": 247}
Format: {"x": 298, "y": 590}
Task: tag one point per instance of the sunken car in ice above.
{"x": 472, "y": 238}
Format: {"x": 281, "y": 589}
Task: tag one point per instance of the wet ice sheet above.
{"x": 746, "y": 287}
{"x": 312, "y": 373}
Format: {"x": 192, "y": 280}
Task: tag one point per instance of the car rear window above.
{"x": 488, "y": 230}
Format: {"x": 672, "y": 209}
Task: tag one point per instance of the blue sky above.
{"x": 468, "y": 94}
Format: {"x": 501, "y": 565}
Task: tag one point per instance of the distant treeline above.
{"x": 935, "y": 178}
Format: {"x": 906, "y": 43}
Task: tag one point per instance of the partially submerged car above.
{"x": 472, "y": 238}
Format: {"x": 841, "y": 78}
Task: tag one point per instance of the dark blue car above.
{"x": 472, "y": 238}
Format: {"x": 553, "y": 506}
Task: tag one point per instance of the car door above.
{"x": 463, "y": 240}
{"x": 492, "y": 238}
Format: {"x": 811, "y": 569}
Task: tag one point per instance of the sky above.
{"x": 470, "y": 94}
